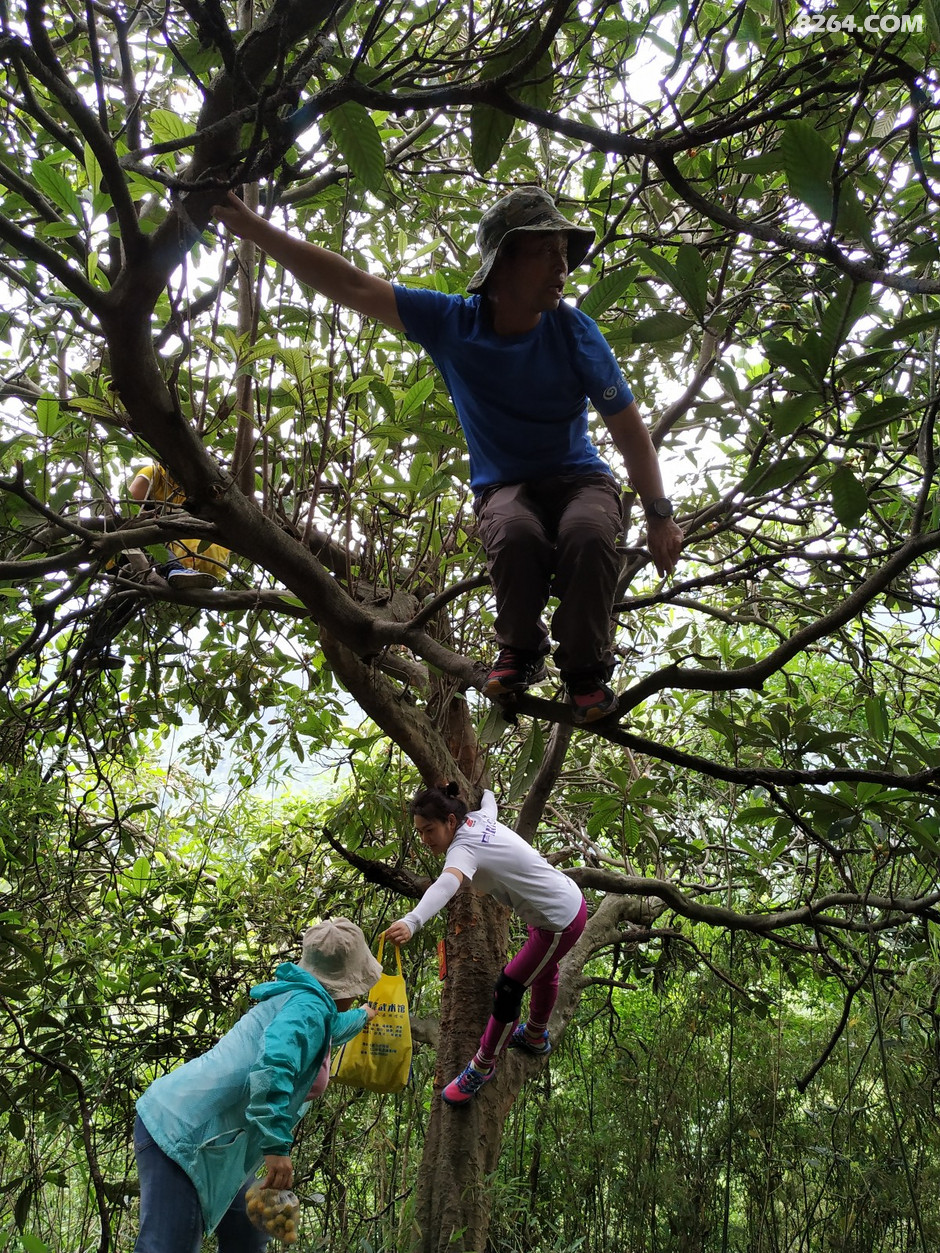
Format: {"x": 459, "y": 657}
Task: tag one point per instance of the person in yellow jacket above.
{"x": 189, "y": 566}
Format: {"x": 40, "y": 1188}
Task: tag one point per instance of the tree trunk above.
{"x": 462, "y": 1144}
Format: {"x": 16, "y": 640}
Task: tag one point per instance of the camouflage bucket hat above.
{"x": 526, "y": 209}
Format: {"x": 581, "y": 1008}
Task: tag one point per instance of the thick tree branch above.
{"x": 392, "y": 878}
{"x": 43, "y": 63}
{"x": 26, "y": 245}
{"x": 899, "y": 909}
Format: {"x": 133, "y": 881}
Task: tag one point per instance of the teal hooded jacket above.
{"x": 220, "y": 1114}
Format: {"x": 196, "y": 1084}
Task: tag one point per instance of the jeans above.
{"x": 170, "y": 1213}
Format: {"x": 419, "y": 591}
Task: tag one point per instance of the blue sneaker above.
{"x": 519, "y": 1040}
{"x": 467, "y": 1084}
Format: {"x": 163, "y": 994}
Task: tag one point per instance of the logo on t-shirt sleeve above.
{"x": 610, "y": 392}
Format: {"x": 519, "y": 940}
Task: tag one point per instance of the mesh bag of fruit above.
{"x": 274, "y": 1211}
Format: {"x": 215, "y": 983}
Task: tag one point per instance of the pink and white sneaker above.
{"x": 538, "y": 1048}
{"x": 467, "y": 1084}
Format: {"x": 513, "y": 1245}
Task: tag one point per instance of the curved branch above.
{"x": 394, "y": 878}
{"x": 902, "y": 909}
{"x": 23, "y": 244}
{"x": 803, "y": 1083}
{"x": 42, "y": 61}
{"x": 17, "y": 487}
{"x": 826, "y": 249}
{"x": 755, "y": 675}
{"x": 436, "y": 603}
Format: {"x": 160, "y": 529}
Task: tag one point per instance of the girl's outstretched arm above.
{"x": 433, "y": 901}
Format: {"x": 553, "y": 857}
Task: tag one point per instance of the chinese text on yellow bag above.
{"x": 379, "y": 1058}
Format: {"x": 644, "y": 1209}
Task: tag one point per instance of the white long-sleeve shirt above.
{"x": 501, "y": 864}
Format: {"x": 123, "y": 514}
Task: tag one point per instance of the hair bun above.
{"x": 452, "y": 789}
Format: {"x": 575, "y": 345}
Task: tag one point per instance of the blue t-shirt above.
{"x": 522, "y": 400}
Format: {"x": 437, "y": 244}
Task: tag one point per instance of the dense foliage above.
{"x": 756, "y": 1048}
{"x": 683, "y": 1111}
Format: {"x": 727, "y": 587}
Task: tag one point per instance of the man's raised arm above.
{"x": 326, "y": 272}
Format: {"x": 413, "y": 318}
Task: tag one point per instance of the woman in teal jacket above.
{"x": 204, "y": 1129}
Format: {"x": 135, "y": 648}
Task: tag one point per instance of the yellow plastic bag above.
{"x": 379, "y": 1058}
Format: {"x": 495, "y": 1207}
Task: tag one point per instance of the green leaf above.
{"x": 359, "y": 142}
{"x": 591, "y": 172}
{"x": 59, "y": 230}
{"x": 539, "y": 88}
{"x": 905, "y": 329}
{"x": 791, "y": 414}
{"x": 853, "y": 218}
{"x": 793, "y": 358}
{"x": 437, "y": 484}
{"x": 879, "y": 415}
{"x": 659, "y": 327}
{"x": 849, "y": 498}
{"x": 49, "y": 417}
{"x": 688, "y": 276}
{"x": 768, "y": 478}
{"x": 360, "y": 384}
{"x": 56, "y": 187}
{"x": 850, "y": 302}
{"x": 92, "y": 170}
{"x": 750, "y": 28}
{"x": 760, "y": 815}
{"x": 384, "y": 397}
{"x": 32, "y": 1244}
{"x": 876, "y": 715}
{"x": 95, "y": 407}
{"x": 415, "y": 396}
{"x": 19, "y": 942}
{"x": 137, "y": 879}
{"x": 607, "y": 291}
{"x": 694, "y": 278}
{"x": 493, "y": 727}
{"x": 166, "y": 126}
{"x": 764, "y": 163}
{"x": 527, "y": 763}
{"x": 809, "y": 162}
{"x": 489, "y": 131}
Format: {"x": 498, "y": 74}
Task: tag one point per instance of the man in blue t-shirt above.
{"x": 521, "y": 366}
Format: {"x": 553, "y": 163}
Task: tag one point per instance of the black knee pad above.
{"x": 507, "y": 998}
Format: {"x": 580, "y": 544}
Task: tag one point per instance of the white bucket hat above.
{"x": 335, "y": 952}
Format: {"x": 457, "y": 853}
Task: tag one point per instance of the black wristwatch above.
{"x": 661, "y": 508}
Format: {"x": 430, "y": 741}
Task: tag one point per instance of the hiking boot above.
{"x": 538, "y": 1048}
{"x": 590, "y": 700}
{"x": 467, "y": 1084}
{"x": 187, "y": 580}
{"x": 514, "y": 671}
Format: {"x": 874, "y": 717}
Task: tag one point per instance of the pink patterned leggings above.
{"x": 535, "y": 966}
